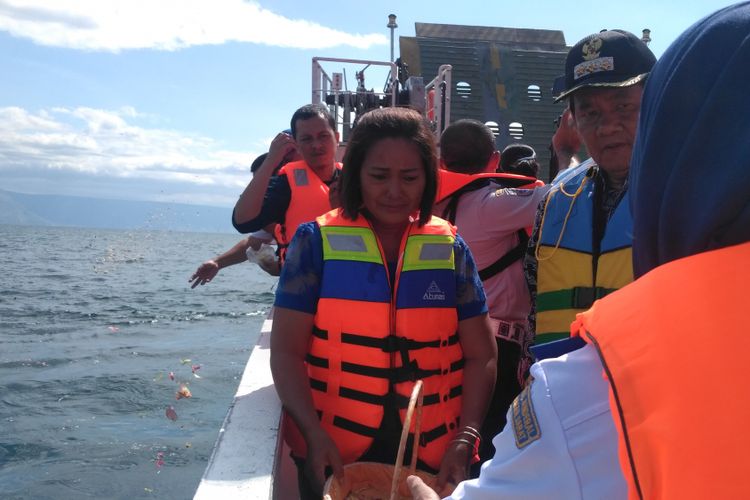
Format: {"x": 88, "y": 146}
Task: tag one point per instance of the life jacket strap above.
{"x": 355, "y": 427}
{"x": 408, "y": 373}
{"x": 515, "y": 254}
{"x": 397, "y": 400}
{"x": 389, "y": 344}
{"x": 425, "y": 438}
{"x": 579, "y": 297}
{"x": 584, "y": 296}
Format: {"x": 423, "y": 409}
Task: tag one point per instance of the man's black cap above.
{"x": 613, "y": 58}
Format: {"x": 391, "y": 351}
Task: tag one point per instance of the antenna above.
{"x": 392, "y": 26}
{"x": 646, "y": 36}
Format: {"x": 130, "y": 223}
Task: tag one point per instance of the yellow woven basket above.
{"x": 376, "y": 481}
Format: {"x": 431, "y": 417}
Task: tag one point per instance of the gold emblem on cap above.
{"x": 591, "y": 48}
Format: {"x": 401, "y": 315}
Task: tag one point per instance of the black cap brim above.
{"x": 627, "y": 83}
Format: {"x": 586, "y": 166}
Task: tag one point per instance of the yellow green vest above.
{"x": 571, "y": 273}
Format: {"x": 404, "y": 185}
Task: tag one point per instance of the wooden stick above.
{"x": 416, "y": 399}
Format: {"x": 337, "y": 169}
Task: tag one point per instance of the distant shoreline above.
{"x": 73, "y": 211}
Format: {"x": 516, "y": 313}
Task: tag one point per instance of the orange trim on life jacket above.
{"x": 450, "y": 182}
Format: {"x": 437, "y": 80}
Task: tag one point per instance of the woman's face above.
{"x": 393, "y": 180}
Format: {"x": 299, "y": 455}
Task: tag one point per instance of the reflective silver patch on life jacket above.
{"x": 436, "y": 251}
{"x": 300, "y": 177}
{"x": 347, "y": 242}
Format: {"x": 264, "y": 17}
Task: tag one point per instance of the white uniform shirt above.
{"x": 488, "y": 219}
{"x": 560, "y": 441}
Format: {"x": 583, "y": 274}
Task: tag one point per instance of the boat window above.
{"x": 515, "y": 130}
{"x": 463, "y": 89}
{"x": 534, "y": 92}
{"x": 494, "y": 127}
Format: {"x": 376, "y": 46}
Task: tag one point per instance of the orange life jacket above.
{"x": 309, "y": 200}
{"x": 672, "y": 345}
{"x": 451, "y": 185}
{"x": 366, "y": 339}
{"x": 450, "y": 182}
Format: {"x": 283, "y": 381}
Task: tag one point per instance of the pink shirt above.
{"x": 488, "y": 219}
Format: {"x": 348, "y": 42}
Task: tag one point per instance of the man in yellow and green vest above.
{"x": 579, "y": 250}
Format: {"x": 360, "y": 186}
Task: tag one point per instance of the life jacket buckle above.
{"x": 407, "y": 372}
{"x": 392, "y": 343}
{"x": 584, "y": 296}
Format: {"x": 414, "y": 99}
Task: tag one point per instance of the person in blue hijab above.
{"x": 673, "y": 402}
{"x": 690, "y": 173}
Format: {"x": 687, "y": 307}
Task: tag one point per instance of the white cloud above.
{"x": 115, "y": 25}
{"x": 106, "y": 149}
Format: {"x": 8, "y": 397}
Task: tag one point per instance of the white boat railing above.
{"x": 439, "y": 103}
{"x": 249, "y": 459}
{"x": 345, "y": 104}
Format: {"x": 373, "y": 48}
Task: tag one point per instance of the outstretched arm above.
{"x": 209, "y": 269}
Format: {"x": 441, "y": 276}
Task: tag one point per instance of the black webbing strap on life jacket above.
{"x": 409, "y": 369}
{"x": 408, "y": 372}
{"x": 388, "y": 344}
{"x": 430, "y": 435}
{"x": 517, "y": 252}
{"x": 426, "y": 437}
{"x": 392, "y": 398}
{"x": 401, "y": 402}
{"x": 449, "y": 213}
{"x": 514, "y": 254}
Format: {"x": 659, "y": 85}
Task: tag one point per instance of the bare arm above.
{"x": 251, "y": 200}
{"x": 290, "y": 339}
{"x": 480, "y": 367}
{"x": 236, "y": 254}
{"x": 209, "y": 269}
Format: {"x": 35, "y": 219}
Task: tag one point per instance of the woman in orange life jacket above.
{"x": 374, "y": 296}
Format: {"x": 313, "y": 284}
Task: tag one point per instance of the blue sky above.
{"x": 171, "y": 100}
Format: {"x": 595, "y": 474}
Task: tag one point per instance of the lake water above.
{"x": 92, "y": 322}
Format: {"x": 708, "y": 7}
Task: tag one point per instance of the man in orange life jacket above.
{"x": 300, "y": 192}
{"x": 676, "y": 401}
{"x": 250, "y": 248}
{"x": 492, "y": 216}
